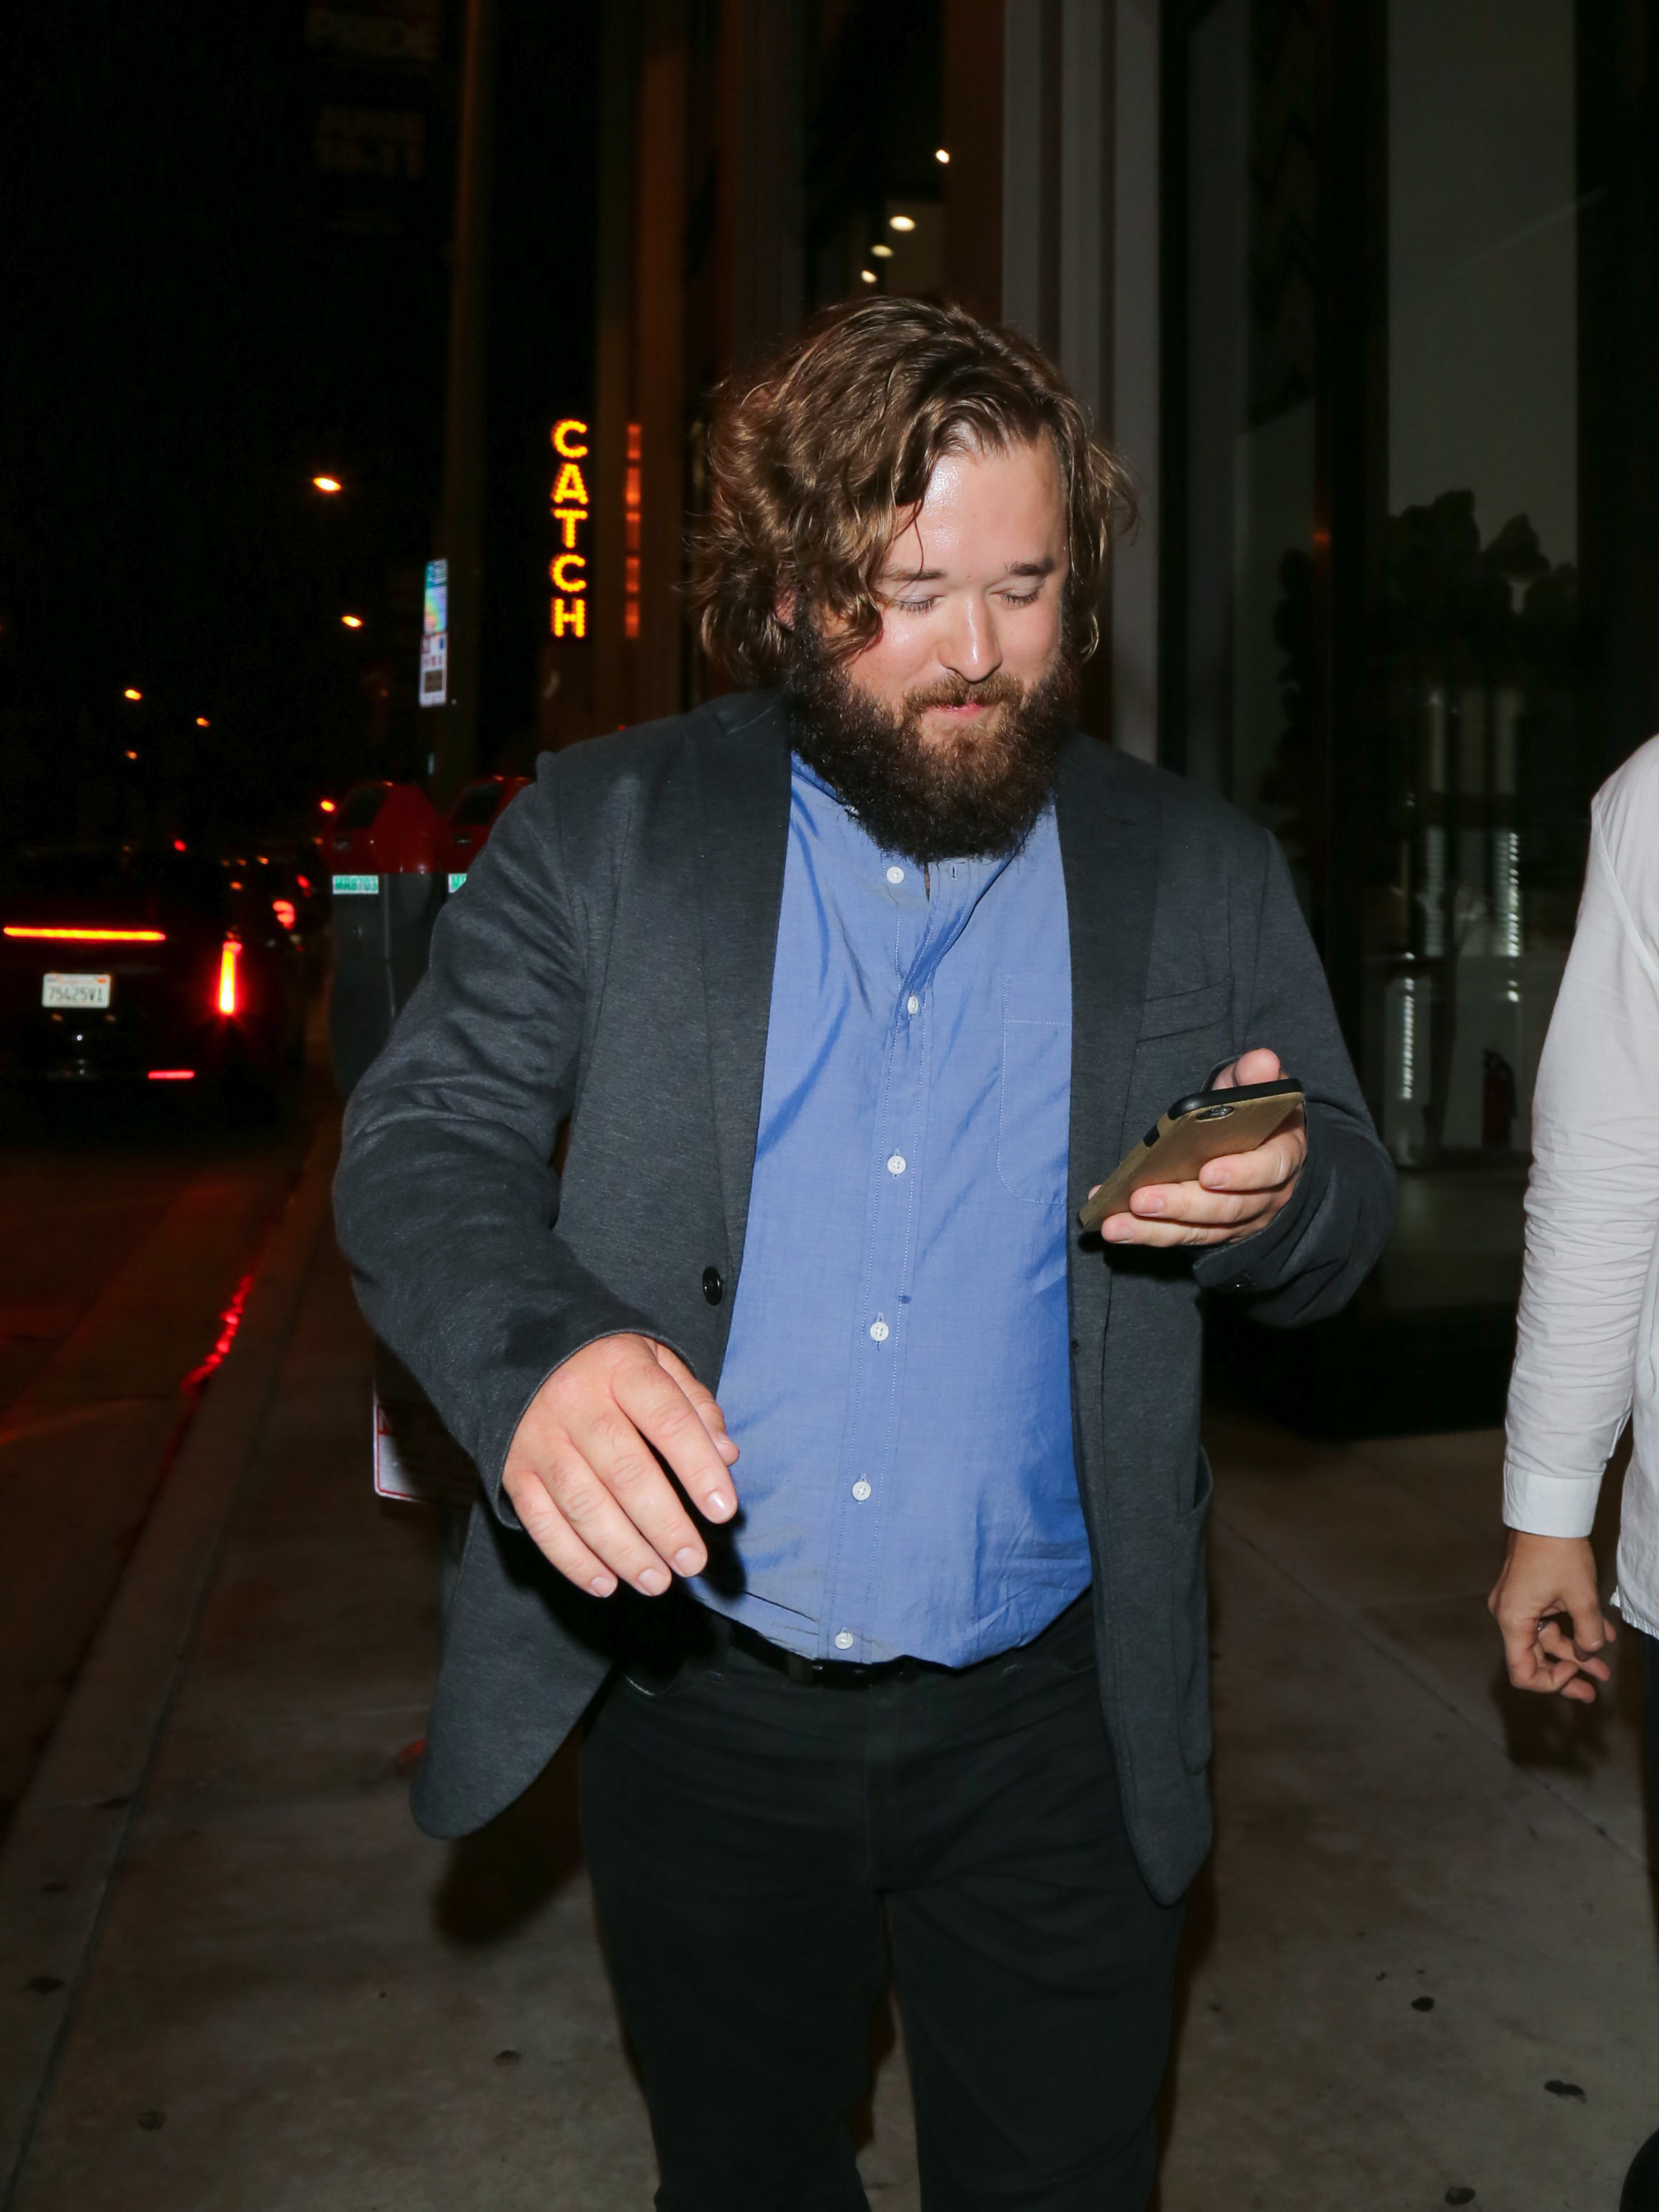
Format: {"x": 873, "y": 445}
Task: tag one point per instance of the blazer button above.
{"x": 714, "y": 1288}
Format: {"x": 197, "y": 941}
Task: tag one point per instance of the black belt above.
{"x": 854, "y": 1674}
{"x": 831, "y": 1674}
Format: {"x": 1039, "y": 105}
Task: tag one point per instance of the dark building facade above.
{"x": 1365, "y": 292}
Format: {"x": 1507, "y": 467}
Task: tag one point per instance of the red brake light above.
{"x": 173, "y": 1075}
{"x": 304, "y": 882}
{"x": 285, "y": 912}
{"x": 227, "y": 958}
{"x": 86, "y": 936}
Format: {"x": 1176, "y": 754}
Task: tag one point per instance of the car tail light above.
{"x": 285, "y": 912}
{"x": 173, "y": 1075}
{"x": 228, "y": 959}
{"x": 70, "y": 932}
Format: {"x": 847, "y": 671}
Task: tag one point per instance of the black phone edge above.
{"x": 1196, "y": 1099}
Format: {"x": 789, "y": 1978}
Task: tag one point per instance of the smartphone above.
{"x": 1201, "y": 1127}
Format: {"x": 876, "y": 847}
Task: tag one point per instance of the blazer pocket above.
{"x": 1186, "y": 1010}
{"x": 1034, "y": 1108}
{"x": 1189, "y": 1624}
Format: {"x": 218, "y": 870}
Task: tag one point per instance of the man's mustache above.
{"x": 997, "y": 690}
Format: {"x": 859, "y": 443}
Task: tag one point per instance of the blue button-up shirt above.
{"x": 898, "y": 1374}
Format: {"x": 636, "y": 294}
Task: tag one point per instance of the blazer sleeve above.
{"x": 1313, "y": 1256}
{"x": 446, "y": 1200}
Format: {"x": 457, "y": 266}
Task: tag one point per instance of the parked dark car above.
{"x": 472, "y": 815}
{"x": 123, "y": 964}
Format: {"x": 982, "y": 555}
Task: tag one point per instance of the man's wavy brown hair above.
{"x": 820, "y": 464}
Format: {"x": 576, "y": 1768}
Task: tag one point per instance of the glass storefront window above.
{"x": 1457, "y": 764}
{"x": 1473, "y": 872}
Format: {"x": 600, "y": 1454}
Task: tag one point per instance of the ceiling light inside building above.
{"x": 941, "y": 154}
{"x": 868, "y": 275}
{"x": 900, "y": 222}
{"x": 883, "y": 252}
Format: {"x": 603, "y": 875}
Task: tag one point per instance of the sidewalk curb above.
{"x": 69, "y": 1836}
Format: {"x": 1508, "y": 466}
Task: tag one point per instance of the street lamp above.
{"x": 130, "y": 694}
{"x": 329, "y": 484}
{"x": 201, "y": 722}
{"x": 352, "y": 621}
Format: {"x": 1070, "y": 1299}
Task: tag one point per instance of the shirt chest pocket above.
{"x": 1034, "y": 1109}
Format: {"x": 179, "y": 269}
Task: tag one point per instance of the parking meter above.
{"x": 385, "y": 850}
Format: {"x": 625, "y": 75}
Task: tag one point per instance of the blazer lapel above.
{"x": 1109, "y": 822}
{"x": 743, "y": 841}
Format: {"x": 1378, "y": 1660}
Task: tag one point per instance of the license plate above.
{"x": 74, "y": 991}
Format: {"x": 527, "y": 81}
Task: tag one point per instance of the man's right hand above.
{"x": 1543, "y": 1579}
{"x": 582, "y": 1477}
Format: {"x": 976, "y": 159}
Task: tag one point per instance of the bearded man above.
{"x": 853, "y": 1495}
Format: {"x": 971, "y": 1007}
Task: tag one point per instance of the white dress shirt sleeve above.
{"x": 1592, "y": 1198}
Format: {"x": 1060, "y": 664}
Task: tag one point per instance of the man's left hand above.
{"x": 1234, "y": 1195}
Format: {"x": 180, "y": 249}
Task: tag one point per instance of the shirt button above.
{"x": 894, "y": 876}
{"x": 895, "y": 1165}
{"x": 912, "y": 1005}
{"x": 860, "y": 1490}
{"x": 844, "y": 1641}
{"x": 878, "y": 1330}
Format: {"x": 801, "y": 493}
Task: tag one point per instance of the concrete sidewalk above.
{"x": 275, "y": 1993}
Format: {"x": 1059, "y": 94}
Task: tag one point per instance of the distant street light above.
{"x": 130, "y": 694}
{"x": 201, "y": 722}
{"x": 132, "y": 756}
{"x": 327, "y": 806}
{"x": 881, "y": 251}
{"x": 868, "y": 275}
{"x": 941, "y": 155}
{"x": 900, "y": 222}
{"x": 327, "y": 483}
{"x": 352, "y": 621}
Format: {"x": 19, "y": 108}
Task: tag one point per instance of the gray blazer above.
{"x": 611, "y": 959}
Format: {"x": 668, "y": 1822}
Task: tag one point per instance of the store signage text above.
{"x": 571, "y": 508}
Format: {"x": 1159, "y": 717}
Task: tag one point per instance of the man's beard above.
{"x": 973, "y": 794}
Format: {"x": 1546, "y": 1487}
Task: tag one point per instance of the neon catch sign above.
{"x": 572, "y": 510}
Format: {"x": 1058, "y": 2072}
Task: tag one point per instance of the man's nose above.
{"x": 971, "y": 647}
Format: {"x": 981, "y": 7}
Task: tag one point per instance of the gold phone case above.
{"x": 1194, "y": 1130}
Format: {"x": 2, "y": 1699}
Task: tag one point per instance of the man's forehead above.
{"x": 1003, "y": 508}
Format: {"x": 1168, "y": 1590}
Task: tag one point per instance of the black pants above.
{"x": 1650, "y": 1650}
{"x": 744, "y": 1832}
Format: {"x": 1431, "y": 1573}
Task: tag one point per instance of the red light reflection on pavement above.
{"x": 230, "y": 1322}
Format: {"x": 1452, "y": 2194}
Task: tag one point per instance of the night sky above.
{"x": 200, "y": 313}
